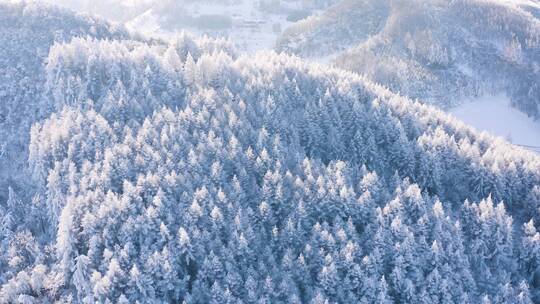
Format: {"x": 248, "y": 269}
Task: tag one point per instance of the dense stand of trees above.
{"x": 184, "y": 172}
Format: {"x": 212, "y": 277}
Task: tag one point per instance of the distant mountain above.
{"x": 438, "y": 51}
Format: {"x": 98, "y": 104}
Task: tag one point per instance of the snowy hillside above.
{"x": 438, "y": 51}
{"x": 27, "y": 31}
{"x": 186, "y": 171}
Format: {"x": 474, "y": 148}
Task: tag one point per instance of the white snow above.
{"x": 252, "y": 30}
{"x": 495, "y": 115}
{"x": 531, "y": 3}
{"x": 146, "y": 23}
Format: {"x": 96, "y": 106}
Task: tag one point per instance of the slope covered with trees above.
{"x": 185, "y": 172}
{"x": 27, "y": 31}
{"x": 438, "y": 51}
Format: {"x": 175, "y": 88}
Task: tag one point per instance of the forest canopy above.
{"x": 184, "y": 171}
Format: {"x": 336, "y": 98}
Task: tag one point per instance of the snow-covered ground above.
{"x": 251, "y": 29}
{"x": 531, "y": 6}
{"x": 495, "y": 115}
{"x": 530, "y": 3}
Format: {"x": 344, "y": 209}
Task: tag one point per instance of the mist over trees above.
{"x": 184, "y": 171}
